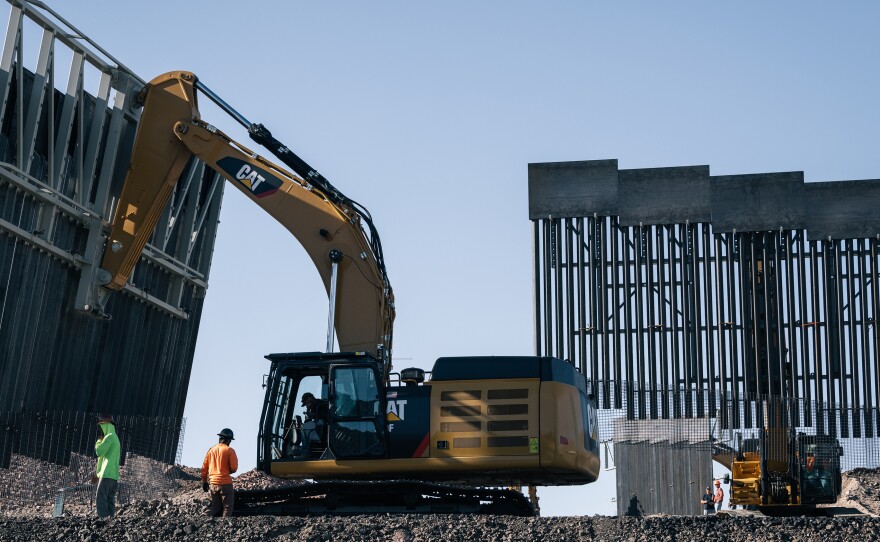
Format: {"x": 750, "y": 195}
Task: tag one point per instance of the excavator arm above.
{"x": 331, "y": 228}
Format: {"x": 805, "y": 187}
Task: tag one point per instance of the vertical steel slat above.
{"x": 652, "y": 319}
{"x": 10, "y": 65}
{"x": 762, "y": 313}
{"x": 616, "y": 236}
{"x": 208, "y": 216}
{"x": 541, "y": 300}
{"x": 793, "y": 353}
{"x": 832, "y": 331}
{"x": 696, "y": 320}
{"x": 538, "y": 251}
{"x": 837, "y": 344}
{"x": 686, "y": 369}
{"x": 602, "y": 320}
{"x": 583, "y": 324}
{"x": 187, "y": 231}
{"x": 587, "y": 343}
{"x": 37, "y": 99}
{"x": 548, "y": 288}
{"x": 817, "y": 323}
{"x": 538, "y": 254}
{"x": 806, "y": 380}
{"x": 52, "y": 167}
{"x": 82, "y": 191}
{"x": 94, "y": 139}
{"x": 851, "y": 349}
{"x": 597, "y": 294}
{"x": 739, "y": 267}
{"x": 676, "y": 283}
{"x": 707, "y": 331}
{"x": 177, "y": 202}
{"x": 66, "y": 122}
{"x": 639, "y": 316}
{"x": 749, "y": 297}
{"x": 570, "y": 291}
{"x": 775, "y": 301}
{"x": 596, "y": 240}
{"x": 721, "y": 337}
{"x": 662, "y": 244}
{"x": 698, "y": 323}
{"x": 875, "y": 326}
{"x": 627, "y": 327}
{"x": 558, "y": 290}
{"x": 867, "y": 402}
{"x": 691, "y": 320}
{"x": 111, "y": 144}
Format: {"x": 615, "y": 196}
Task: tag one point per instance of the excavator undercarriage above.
{"x": 374, "y": 497}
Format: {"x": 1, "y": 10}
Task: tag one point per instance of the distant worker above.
{"x": 708, "y": 502}
{"x": 316, "y": 409}
{"x": 810, "y": 463}
{"x": 108, "y": 450}
{"x": 718, "y": 498}
{"x": 220, "y": 462}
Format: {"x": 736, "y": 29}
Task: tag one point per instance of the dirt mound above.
{"x": 861, "y": 490}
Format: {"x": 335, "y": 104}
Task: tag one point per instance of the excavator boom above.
{"x": 329, "y": 226}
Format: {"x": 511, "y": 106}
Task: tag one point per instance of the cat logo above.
{"x": 396, "y": 411}
{"x": 258, "y": 181}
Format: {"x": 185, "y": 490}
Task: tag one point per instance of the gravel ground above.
{"x": 451, "y": 528}
{"x": 180, "y": 516}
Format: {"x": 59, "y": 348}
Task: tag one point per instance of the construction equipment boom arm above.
{"x": 329, "y": 226}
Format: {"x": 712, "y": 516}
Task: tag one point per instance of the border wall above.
{"x": 685, "y": 296}
{"x": 67, "y": 122}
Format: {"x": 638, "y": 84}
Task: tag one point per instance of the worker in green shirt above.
{"x": 107, "y": 449}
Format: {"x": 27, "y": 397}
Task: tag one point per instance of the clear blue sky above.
{"x": 428, "y": 114}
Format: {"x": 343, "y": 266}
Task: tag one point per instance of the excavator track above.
{"x": 398, "y": 497}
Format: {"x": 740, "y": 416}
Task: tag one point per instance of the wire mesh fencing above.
{"x": 48, "y": 458}
{"x": 736, "y": 421}
{"x": 664, "y": 455}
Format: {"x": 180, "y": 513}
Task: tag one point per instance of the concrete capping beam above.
{"x": 572, "y": 189}
{"x": 843, "y": 209}
{"x": 669, "y": 195}
{"x": 676, "y": 195}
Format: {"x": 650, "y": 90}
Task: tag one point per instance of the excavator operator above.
{"x": 316, "y": 409}
{"x": 314, "y": 429}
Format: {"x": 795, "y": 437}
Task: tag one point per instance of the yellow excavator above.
{"x": 454, "y": 439}
{"x": 780, "y": 472}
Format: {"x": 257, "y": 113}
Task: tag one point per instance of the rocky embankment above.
{"x": 180, "y": 516}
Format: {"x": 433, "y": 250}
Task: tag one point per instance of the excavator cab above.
{"x": 346, "y": 419}
{"x": 819, "y": 465}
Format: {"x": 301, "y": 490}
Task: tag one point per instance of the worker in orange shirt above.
{"x": 220, "y": 462}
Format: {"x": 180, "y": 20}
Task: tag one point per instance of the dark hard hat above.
{"x": 105, "y": 418}
{"x": 227, "y": 433}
